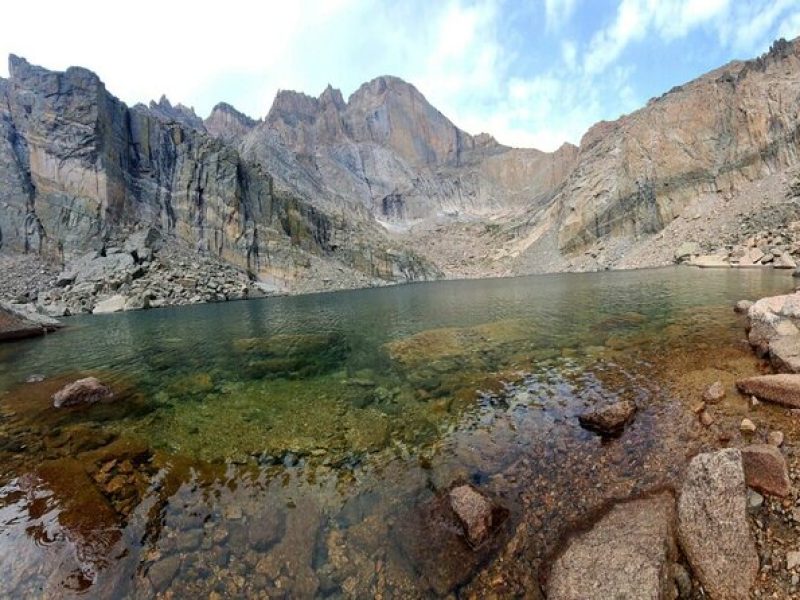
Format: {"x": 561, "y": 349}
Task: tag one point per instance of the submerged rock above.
{"x": 609, "y": 420}
{"x": 82, "y": 392}
{"x": 474, "y": 512}
{"x": 783, "y": 389}
{"x": 712, "y": 524}
{"x": 714, "y": 393}
{"x": 765, "y": 470}
{"x": 627, "y": 554}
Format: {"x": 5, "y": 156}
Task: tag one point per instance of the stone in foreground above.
{"x": 712, "y": 525}
{"x": 784, "y": 353}
{"x": 609, "y": 420}
{"x": 783, "y": 389}
{"x": 765, "y": 470}
{"x": 474, "y": 512}
{"x": 81, "y": 392}
{"x": 627, "y": 554}
{"x": 17, "y": 323}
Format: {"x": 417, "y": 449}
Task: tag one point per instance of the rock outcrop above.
{"x": 18, "y": 322}
{"x": 388, "y": 152}
{"x": 78, "y": 167}
{"x": 384, "y": 185}
{"x": 712, "y": 525}
{"x": 627, "y": 554}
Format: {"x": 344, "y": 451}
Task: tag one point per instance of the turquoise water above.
{"x": 292, "y": 446}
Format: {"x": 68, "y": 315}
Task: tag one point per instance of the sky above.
{"x": 532, "y": 73}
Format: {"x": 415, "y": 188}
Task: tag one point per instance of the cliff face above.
{"x": 77, "y": 167}
{"x": 636, "y": 175}
{"x": 388, "y": 153}
{"x": 357, "y": 183}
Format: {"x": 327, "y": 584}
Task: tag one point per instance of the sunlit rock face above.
{"x": 634, "y": 175}
{"x": 389, "y": 151}
{"x": 77, "y": 167}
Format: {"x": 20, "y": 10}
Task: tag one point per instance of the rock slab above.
{"x": 712, "y": 525}
{"x": 627, "y": 554}
{"x": 765, "y": 470}
{"x": 783, "y": 389}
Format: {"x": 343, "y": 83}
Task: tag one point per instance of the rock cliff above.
{"x": 354, "y": 184}
{"x": 388, "y": 152}
{"x": 79, "y": 169}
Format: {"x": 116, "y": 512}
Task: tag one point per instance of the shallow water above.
{"x": 299, "y": 447}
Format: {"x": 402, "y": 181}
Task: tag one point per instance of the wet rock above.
{"x": 742, "y": 306}
{"x": 627, "y": 554}
{"x": 18, "y": 322}
{"x": 432, "y": 536}
{"x": 712, "y": 524}
{"x": 82, "y": 392}
{"x": 265, "y": 529}
{"x": 609, "y": 420}
{"x": 474, "y": 512}
{"x": 163, "y": 572}
{"x": 747, "y": 426}
{"x": 765, "y": 470}
{"x": 783, "y": 389}
{"x": 714, "y": 393}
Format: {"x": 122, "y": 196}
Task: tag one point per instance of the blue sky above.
{"x": 532, "y": 73}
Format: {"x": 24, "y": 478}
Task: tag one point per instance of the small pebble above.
{"x": 747, "y": 426}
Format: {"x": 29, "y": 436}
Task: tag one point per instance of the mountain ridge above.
{"x": 384, "y": 172}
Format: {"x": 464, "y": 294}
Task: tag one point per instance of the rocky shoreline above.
{"x": 732, "y": 528}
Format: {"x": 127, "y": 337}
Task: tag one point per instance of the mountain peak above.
{"x": 227, "y": 123}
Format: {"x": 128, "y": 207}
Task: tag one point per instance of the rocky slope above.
{"x": 79, "y": 169}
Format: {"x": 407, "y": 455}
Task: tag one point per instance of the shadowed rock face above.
{"x": 78, "y": 166}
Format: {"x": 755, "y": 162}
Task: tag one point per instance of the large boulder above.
{"x": 712, "y": 525}
{"x": 783, "y": 389}
{"x": 110, "y": 305}
{"x": 143, "y": 244}
{"x": 784, "y": 353}
{"x": 627, "y": 554}
{"x": 772, "y": 318}
{"x": 765, "y": 470}
{"x": 21, "y": 321}
{"x": 609, "y": 420}
{"x": 82, "y": 392}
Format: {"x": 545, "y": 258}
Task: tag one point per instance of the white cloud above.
{"x": 558, "y": 12}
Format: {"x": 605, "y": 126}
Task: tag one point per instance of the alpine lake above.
{"x": 300, "y": 446}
